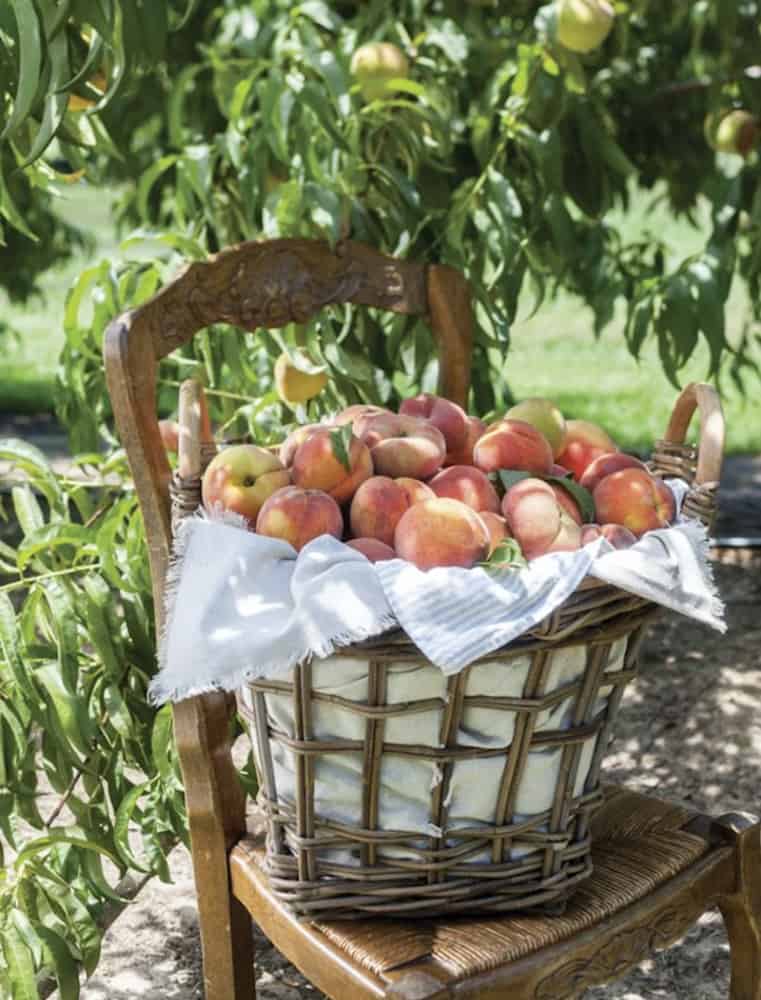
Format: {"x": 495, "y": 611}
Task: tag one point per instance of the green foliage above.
{"x": 502, "y": 153}
{"x": 89, "y": 783}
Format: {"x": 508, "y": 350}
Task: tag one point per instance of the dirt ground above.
{"x": 689, "y": 729}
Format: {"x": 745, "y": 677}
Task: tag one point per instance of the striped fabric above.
{"x": 241, "y": 606}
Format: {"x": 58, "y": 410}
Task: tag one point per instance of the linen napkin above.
{"x": 242, "y": 606}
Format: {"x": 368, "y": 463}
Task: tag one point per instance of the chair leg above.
{"x": 741, "y": 909}
{"x": 216, "y": 813}
{"x": 227, "y": 944}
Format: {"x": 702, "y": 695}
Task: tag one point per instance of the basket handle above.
{"x": 264, "y": 285}
{"x": 704, "y": 398}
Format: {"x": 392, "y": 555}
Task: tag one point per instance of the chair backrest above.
{"x": 254, "y": 286}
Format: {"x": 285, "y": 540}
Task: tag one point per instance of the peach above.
{"x": 497, "y": 528}
{"x": 297, "y": 378}
{"x": 618, "y": 536}
{"x": 298, "y": 516}
{"x": 170, "y": 434}
{"x": 372, "y": 549}
{"x": 241, "y": 478}
{"x": 441, "y": 532}
{"x": 635, "y": 499}
{"x": 403, "y": 446}
{"x": 317, "y": 466}
{"x": 545, "y": 416}
{"x": 376, "y": 508}
{"x": 464, "y": 454}
{"x": 538, "y": 521}
{"x": 603, "y": 465}
{"x": 567, "y": 502}
{"x": 356, "y": 412}
{"x": 513, "y": 444}
{"x": 563, "y": 497}
{"x": 584, "y": 442}
{"x": 450, "y": 418}
{"x": 467, "y": 484}
{"x": 295, "y": 438}
{"x": 415, "y": 490}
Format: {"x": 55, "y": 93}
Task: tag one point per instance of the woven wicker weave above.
{"x": 324, "y": 866}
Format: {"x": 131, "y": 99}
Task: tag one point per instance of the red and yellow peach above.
{"x": 513, "y": 444}
{"x": 241, "y": 478}
{"x": 298, "y": 516}
{"x": 441, "y": 532}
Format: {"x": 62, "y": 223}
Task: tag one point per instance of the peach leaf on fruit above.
{"x": 340, "y": 440}
{"x": 582, "y": 497}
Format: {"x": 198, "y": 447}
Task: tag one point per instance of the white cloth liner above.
{"x": 241, "y": 606}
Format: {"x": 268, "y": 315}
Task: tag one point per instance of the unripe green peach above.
{"x": 583, "y": 25}
{"x": 374, "y": 65}
{"x": 732, "y": 131}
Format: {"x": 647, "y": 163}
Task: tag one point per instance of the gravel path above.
{"x": 690, "y": 729}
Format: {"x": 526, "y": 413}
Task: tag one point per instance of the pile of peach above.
{"x": 437, "y": 487}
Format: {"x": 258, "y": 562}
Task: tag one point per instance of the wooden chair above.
{"x": 657, "y": 866}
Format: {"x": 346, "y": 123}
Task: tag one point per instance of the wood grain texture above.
{"x": 741, "y": 908}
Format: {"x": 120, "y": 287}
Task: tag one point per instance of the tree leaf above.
{"x": 340, "y": 441}
{"x": 64, "y": 967}
{"x": 20, "y": 963}
{"x": 122, "y": 825}
{"x": 30, "y": 64}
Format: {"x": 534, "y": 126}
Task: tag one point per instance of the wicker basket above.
{"x": 390, "y": 789}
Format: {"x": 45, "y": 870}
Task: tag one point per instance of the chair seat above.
{"x": 639, "y": 844}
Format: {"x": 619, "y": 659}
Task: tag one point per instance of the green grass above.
{"x": 31, "y": 356}
{"x": 553, "y": 354}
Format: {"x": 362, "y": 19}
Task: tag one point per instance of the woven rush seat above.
{"x": 639, "y": 843}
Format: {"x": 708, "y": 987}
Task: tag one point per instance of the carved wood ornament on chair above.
{"x": 657, "y": 867}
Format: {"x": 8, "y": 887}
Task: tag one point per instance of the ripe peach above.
{"x": 562, "y": 496}
{"x": 297, "y": 516}
{"x": 513, "y": 444}
{"x": 545, "y": 416}
{"x": 497, "y": 528}
{"x": 467, "y": 484}
{"x": 372, "y": 549}
{"x": 415, "y": 490}
{"x": 538, "y": 521}
{"x": 295, "y": 438}
{"x": 603, "y": 465}
{"x": 356, "y": 412}
{"x": 618, "y": 536}
{"x": 170, "y": 434}
{"x": 636, "y": 499}
{"x": 376, "y": 508}
{"x": 403, "y": 446}
{"x": 567, "y": 502}
{"x": 464, "y": 454}
{"x": 450, "y": 418}
{"x": 241, "y": 478}
{"x": 584, "y": 442}
{"x": 441, "y": 532}
{"x": 316, "y": 466}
